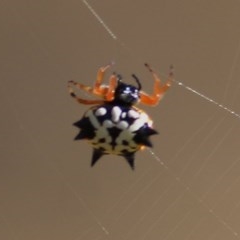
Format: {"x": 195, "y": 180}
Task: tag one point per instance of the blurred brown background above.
{"x": 47, "y": 188}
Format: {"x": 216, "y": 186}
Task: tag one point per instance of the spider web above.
{"x": 190, "y": 193}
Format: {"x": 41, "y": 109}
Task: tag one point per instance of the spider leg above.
{"x": 80, "y": 86}
{"x": 159, "y": 89}
{"x": 103, "y": 91}
{"x": 111, "y": 88}
{"x": 100, "y": 76}
{"x": 83, "y": 87}
{"x": 97, "y": 88}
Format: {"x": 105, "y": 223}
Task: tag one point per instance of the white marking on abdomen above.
{"x": 101, "y": 111}
{"x": 133, "y": 114}
{"x": 116, "y": 112}
{"x": 93, "y": 119}
{"x": 108, "y": 124}
{"x": 124, "y": 114}
{"x": 137, "y": 124}
{"x": 122, "y": 125}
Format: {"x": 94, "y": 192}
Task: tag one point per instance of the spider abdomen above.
{"x": 114, "y": 129}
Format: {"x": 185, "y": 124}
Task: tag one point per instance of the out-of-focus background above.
{"x": 188, "y": 188}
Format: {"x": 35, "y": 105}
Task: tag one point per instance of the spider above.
{"x": 114, "y": 125}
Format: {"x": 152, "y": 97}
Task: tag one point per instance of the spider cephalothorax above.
{"x": 126, "y": 94}
{"x": 114, "y": 125}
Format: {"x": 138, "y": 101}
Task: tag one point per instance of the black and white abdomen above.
{"x": 113, "y": 129}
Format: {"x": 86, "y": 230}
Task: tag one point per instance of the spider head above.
{"x": 126, "y": 93}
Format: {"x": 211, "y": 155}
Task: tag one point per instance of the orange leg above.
{"x": 107, "y": 92}
{"x": 159, "y": 89}
{"x": 98, "y": 88}
{"x": 78, "y": 99}
{"x": 103, "y": 91}
{"x": 111, "y": 88}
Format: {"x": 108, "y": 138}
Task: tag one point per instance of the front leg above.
{"x": 159, "y": 89}
{"x": 82, "y": 87}
{"x": 98, "y": 87}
